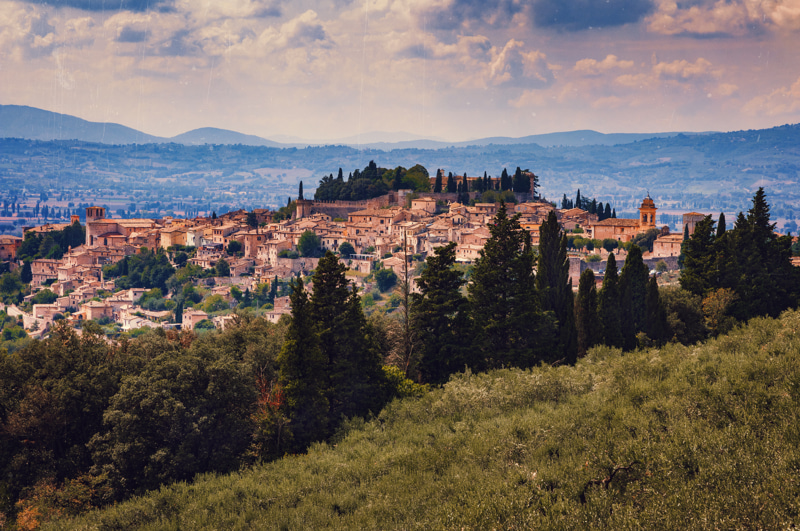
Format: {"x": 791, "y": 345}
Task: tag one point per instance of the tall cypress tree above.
{"x": 303, "y": 373}
{"x": 439, "y": 317}
{"x": 504, "y": 184}
{"x": 608, "y": 305}
{"x": 437, "y": 187}
{"x": 578, "y": 201}
{"x": 587, "y": 319}
{"x": 633, "y": 301}
{"x": 607, "y": 214}
{"x": 451, "y": 183}
{"x": 465, "y": 186}
{"x": 721, "y": 228}
{"x": 554, "y": 285}
{"x": 300, "y": 191}
{"x": 656, "y": 322}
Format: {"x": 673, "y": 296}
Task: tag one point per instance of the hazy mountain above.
{"x": 212, "y": 135}
{"x": 18, "y": 121}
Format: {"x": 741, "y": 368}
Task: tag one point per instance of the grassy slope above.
{"x": 701, "y": 437}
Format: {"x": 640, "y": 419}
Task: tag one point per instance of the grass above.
{"x": 698, "y": 437}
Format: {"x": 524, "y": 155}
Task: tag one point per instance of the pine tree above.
{"x": 303, "y": 373}
{"x": 608, "y": 305}
{"x": 439, "y": 317}
{"x": 503, "y": 301}
{"x": 554, "y": 285}
{"x": 353, "y": 362}
{"x": 699, "y": 258}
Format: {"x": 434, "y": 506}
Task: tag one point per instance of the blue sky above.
{"x": 447, "y": 69}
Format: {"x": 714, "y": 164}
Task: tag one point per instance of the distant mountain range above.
{"x": 17, "y": 121}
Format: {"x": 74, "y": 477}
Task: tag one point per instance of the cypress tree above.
{"x": 564, "y": 202}
{"x": 633, "y": 301}
{"x": 600, "y": 212}
{"x": 451, "y": 183}
{"x": 465, "y": 184}
{"x": 340, "y": 177}
{"x": 26, "y": 275}
{"x": 608, "y": 305}
{"x": 607, "y": 213}
{"x": 504, "y": 180}
{"x": 614, "y": 213}
{"x": 656, "y": 322}
{"x": 587, "y": 319}
{"x": 554, "y": 285}
{"x": 300, "y": 191}
{"x": 439, "y": 317}
{"x": 303, "y": 373}
{"x": 437, "y": 187}
{"x": 578, "y": 201}
{"x": 721, "y": 228}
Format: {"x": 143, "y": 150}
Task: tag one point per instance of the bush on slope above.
{"x": 682, "y": 437}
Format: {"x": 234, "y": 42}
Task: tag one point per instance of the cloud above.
{"x": 303, "y": 31}
{"x": 682, "y": 70}
{"x": 516, "y": 67}
{"x": 592, "y": 67}
{"x": 466, "y": 13}
{"x": 575, "y": 15}
{"x": 102, "y": 5}
{"x": 724, "y": 18}
{"x": 781, "y": 101}
{"x": 129, "y": 34}
{"x": 416, "y": 51}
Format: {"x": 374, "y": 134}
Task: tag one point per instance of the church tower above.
{"x": 647, "y": 214}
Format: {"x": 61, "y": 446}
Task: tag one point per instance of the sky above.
{"x": 453, "y": 70}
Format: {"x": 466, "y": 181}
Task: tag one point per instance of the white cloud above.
{"x": 724, "y": 17}
{"x": 514, "y": 65}
{"x": 781, "y": 101}
{"x": 592, "y": 67}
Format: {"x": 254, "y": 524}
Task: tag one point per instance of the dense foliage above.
{"x": 749, "y": 260}
{"x": 145, "y": 269}
{"x": 51, "y": 244}
{"x": 673, "y": 438}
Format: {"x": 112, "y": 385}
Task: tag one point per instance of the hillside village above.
{"x": 382, "y": 233}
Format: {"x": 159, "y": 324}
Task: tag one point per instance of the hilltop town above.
{"x": 246, "y": 256}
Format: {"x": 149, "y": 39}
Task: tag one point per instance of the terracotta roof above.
{"x": 617, "y": 222}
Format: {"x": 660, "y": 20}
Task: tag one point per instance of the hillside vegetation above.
{"x": 697, "y": 437}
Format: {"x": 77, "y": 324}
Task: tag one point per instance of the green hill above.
{"x": 697, "y": 437}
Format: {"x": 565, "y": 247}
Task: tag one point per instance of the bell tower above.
{"x": 647, "y": 214}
